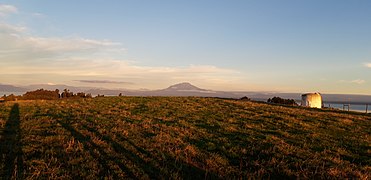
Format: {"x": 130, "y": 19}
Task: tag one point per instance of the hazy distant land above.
{"x": 187, "y": 89}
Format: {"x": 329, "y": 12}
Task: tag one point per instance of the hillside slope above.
{"x": 180, "y": 138}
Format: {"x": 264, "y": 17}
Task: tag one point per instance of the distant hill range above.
{"x": 61, "y": 87}
{"x": 185, "y": 89}
{"x": 5, "y": 88}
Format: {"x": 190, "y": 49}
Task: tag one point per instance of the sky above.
{"x": 239, "y": 45}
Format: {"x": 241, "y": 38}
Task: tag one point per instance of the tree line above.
{"x": 278, "y": 100}
{"x": 43, "y": 94}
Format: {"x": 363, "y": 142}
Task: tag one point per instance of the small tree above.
{"x": 245, "y": 98}
{"x": 67, "y": 94}
{"x": 57, "y": 92}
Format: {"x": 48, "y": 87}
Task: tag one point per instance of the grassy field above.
{"x": 180, "y": 138}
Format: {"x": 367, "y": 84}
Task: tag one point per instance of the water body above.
{"x": 352, "y": 107}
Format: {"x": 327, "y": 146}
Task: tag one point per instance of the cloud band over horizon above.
{"x": 103, "y": 82}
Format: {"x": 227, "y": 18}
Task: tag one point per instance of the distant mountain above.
{"x": 184, "y": 89}
{"x": 4, "y": 88}
{"x": 181, "y": 89}
{"x": 185, "y": 86}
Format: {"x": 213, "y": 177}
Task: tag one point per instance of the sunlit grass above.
{"x": 186, "y": 138}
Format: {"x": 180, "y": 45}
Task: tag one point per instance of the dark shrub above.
{"x": 278, "y": 100}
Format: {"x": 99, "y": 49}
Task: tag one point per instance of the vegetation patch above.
{"x": 179, "y": 138}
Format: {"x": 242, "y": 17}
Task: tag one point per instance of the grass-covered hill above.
{"x": 180, "y": 138}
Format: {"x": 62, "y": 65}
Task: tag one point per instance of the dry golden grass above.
{"x": 180, "y": 138}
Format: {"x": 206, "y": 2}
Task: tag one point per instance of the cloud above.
{"x": 19, "y": 46}
{"x": 191, "y": 69}
{"x": 7, "y": 29}
{"x": 67, "y": 44}
{"x": 355, "y": 81}
{"x": 38, "y": 15}
{"x": 368, "y": 65}
{"x": 358, "y": 81}
{"x": 103, "y": 82}
{"x": 7, "y": 9}
{"x": 17, "y": 38}
{"x": 118, "y": 73}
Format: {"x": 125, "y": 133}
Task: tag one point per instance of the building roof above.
{"x": 316, "y": 93}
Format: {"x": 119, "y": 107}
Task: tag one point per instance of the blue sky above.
{"x": 287, "y": 46}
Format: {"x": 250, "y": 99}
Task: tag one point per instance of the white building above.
{"x": 313, "y": 100}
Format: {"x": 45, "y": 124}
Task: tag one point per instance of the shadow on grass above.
{"x": 147, "y": 167}
{"x": 11, "y": 148}
{"x": 98, "y": 153}
{"x": 257, "y": 150}
{"x": 123, "y": 156}
{"x": 152, "y": 165}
